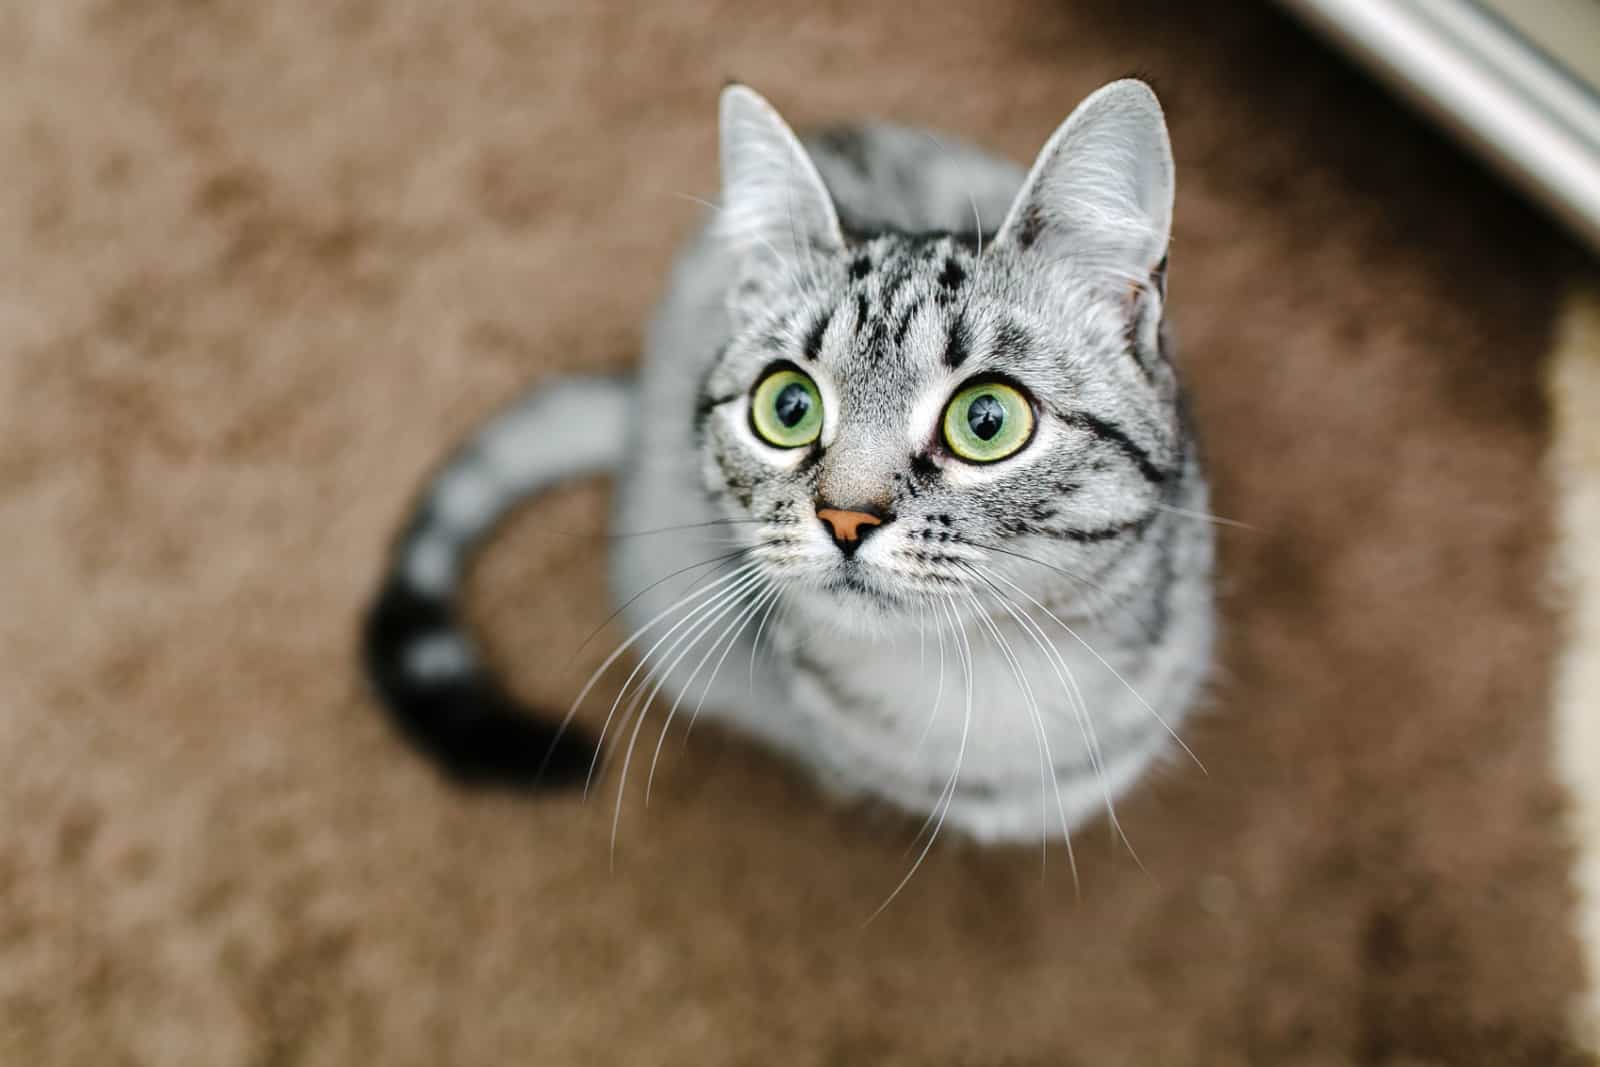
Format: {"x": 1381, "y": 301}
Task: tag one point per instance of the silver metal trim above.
{"x": 1519, "y": 108}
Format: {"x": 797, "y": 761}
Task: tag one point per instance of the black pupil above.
{"x": 985, "y": 416}
{"x": 792, "y": 404}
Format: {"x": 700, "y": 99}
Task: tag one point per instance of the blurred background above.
{"x": 261, "y": 262}
{"x": 1515, "y": 80}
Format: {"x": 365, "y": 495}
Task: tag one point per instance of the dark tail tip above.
{"x": 461, "y": 718}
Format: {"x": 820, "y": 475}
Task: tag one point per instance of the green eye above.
{"x": 987, "y": 422}
{"x": 786, "y": 409}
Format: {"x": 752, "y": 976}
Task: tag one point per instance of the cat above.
{"x": 909, "y": 440}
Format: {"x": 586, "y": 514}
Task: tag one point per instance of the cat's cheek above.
{"x": 712, "y": 479}
{"x": 725, "y": 476}
{"x": 765, "y": 461}
{"x": 1027, "y": 462}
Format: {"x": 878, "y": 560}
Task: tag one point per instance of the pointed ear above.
{"x": 1101, "y": 190}
{"x": 774, "y": 204}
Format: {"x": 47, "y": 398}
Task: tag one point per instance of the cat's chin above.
{"x": 860, "y": 602}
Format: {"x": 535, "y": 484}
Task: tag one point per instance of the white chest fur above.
{"x": 1019, "y": 727}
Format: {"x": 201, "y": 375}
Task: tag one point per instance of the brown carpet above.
{"x": 259, "y": 263}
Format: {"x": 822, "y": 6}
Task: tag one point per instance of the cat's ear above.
{"x": 1100, "y": 193}
{"x": 775, "y": 208}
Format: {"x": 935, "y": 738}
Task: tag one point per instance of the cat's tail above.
{"x": 423, "y": 663}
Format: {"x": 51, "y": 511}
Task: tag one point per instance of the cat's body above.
{"x": 1005, "y": 642}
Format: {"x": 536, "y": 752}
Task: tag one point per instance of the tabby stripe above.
{"x": 1011, "y": 340}
{"x": 1142, "y": 360}
{"x": 1115, "y": 435}
{"x": 703, "y": 409}
{"x": 953, "y": 274}
{"x": 1106, "y": 533}
{"x": 705, "y": 403}
{"x": 812, "y": 347}
{"x": 904, "y": 327}
{"x": 958, "y": 345}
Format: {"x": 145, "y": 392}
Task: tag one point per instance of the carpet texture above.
{"x": 260, "y": 263}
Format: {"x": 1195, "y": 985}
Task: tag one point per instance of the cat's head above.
{"x": 903, "y": 421}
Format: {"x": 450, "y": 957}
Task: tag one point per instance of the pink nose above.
{"x": 846, "y": 525}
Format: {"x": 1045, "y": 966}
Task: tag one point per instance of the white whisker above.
{"x": 948, "y": 795}
{"x": 1080, "y": 711}
{"x": 938, "y": 694}
{"x": 730, "y": 634}
{"x": 694, "y": 717}
{"x": 1035, "y": 719}
{"x": 688, "y": 641}
{"x": 1205, "y": 516}
{"x": 1114, "y": 672}
{"x": 687, "y": 598}
{"x": 749, "y": 578}
{"x": 755, "y": 645}
{"x": 1051, "y": 657}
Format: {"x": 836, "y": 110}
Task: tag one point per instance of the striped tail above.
{"x": 424, "y": 665}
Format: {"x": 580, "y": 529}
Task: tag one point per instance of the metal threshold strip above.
{"x": 1479, "y": 75}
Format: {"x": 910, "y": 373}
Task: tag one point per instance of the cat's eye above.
{"x": 987, "y": 421}
{"x": 786, "y": 409}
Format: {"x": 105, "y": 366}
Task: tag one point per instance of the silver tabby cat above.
{"x": 909, "y": 440}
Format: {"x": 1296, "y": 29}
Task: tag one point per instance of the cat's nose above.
{"x": 850, "y": 527}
